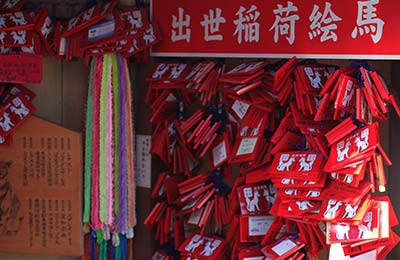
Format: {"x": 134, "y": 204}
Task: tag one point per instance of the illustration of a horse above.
{"x": 10, "y": 219}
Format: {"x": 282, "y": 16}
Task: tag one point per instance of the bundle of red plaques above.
{"x": 25, "y": 31}
{"x": 102, "y": 28}
{"x": 15, "y": 108}
{"x": 298, "y": 144}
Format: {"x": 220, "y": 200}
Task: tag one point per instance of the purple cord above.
{"x": 111, "y": 251}
{"x": 92, "y": 248}
{"x": 122, "y": 153}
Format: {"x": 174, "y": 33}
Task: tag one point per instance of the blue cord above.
{"x": 123, "y": 247}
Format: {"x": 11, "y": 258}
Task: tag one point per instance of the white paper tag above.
{"x": 195, "y": 216}
{"x": 63, "y": 46}
{"x": 284, "y": 246}
{"x": 336, "y": 252}
{"x": 254, "y": 258}
{"x": 101, "y": 30}
{"x": 143, "y": 161}
{"x": 170, "y": 98}
{"x": 237, "y": 87}
{"x": 247, "y": 146}
{"x": 192, "y": 202}
{"x": 232, "y": 118}
{"x": 161, "y": 191}
{"x": 371, "y": 255}
{"x": 219, "y": 153}
{"x": 248, "y": 192}
{"x": 240, "y": 108}
{"x": 322, "y": 226}
{"x": 191, "y": 164}
{"x": 259, "y": 225}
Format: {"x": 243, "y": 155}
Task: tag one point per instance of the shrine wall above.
{"x": 61, "y": 99}
{"x": 144, "y": 247}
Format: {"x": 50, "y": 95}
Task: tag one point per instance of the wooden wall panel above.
{"x": 62, "y": 97}
{"x": 49, "y": 106}
{"x": 48, "y": 99}
{"x": 29, "y": 257}
{"x": 393, "y": 178}
{"x": 75, "y": 78}
{"x": 144, "y": 244}
{"x": 386, "y": 129}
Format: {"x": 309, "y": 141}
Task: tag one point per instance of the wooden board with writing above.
{"x": 41, "y": 190}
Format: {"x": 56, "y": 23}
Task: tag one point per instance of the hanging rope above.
{"x": 88, "y": 147}
{"x": 109, "y": 152}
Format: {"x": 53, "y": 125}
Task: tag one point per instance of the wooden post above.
{"x": 144, "y": 243}
{"x": 393, "y": 178}
{"x": 127, "y": 2}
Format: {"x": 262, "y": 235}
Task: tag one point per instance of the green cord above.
{"x": 99, "y": 236}
{"x": 116, "y": 117}
{"x": 103, "y": 250}
{"x": 88, "y": 146}
{"x": 103, "y": 120}
{"x": 118, "y": 255}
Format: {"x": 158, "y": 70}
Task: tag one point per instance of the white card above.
{"x": 161, "y": 191}
{"x": 240, "y": 108}
{"x": 384, "y": 218}
{"x": 143, "y": 161}
{"x": 63, "y": 46}
{"x": 248, "y": 192}
{"x": 192, "y": 164}
{"x": 192, "y": 202}
{"x": 170, "y": 98}
{"x": 336, "y": 252}
{"x": 195, "y": 216}
{"x": 259, "y": 225}
{"x": 254, "y": 258}
{"x": 371, "y": 255}
{"x": 219, "y": 153}
{"x": 284, "y": 246}
{"x": 247, "y": 146}
{"x": 101, "y": 30}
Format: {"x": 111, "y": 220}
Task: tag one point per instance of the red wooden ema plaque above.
{"x": 41, "y": 191}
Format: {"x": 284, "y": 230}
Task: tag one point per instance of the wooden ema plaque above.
{"x": 41, "y": 190}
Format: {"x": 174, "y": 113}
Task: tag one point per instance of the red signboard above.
{"x": 259, "y": 28}
{"x": 21, "y": 69}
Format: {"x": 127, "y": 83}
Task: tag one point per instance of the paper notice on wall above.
{"x": 143, "y": 161}
{"x": 41, "y": 190}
